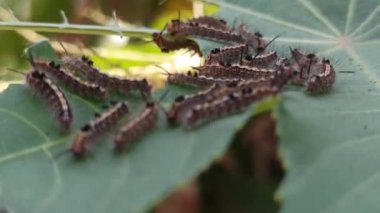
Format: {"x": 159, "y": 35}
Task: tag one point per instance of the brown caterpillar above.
{"x": 85, "y": 68}
{"x": 178, "y": 28}
{"x": 66, "y": 78}
{"x": 254, "y": 40}
{"x": 138, "y": 127}
{"x": 98, "y": 127}
{"x": 183, "y": 103}
{"x": 302, "y": 65}
{"x": 193, "y": 79}
{"x": 52, "y": 95}
{"x": 212, "y": 22}
{"x": 168, "y": 43}
{"x": 323, "y": 81}
{"x": 228, "y": 71}
{"x": 262, "y": 61}
{"x": 226, "y": 105}
{"x": 227, "y": 54}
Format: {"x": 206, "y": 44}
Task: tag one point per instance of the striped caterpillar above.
{"x": 226, "y": 105}
{"x": 52, "y": 95}
{"x": 262, "y": 61}
{"x": 194, "y": 79}
{"x": 323, "y": 81}
{"x": 138, "y": 127}
{"x": 254, "y": 40}
{"x": 212, "y": 22}
{"x": 317, "y": 76}
{"x": 228, "y": 71}
{"x": 69, "y": 80}
{"x": 178, "y": 28}
{"x": 302, "y": 65}
{"x": 183, "y": 103}
{"x": 85, "y": 68}
{"x": 98, "y": 127}
{"x": 227, "y": 54}
{"x": 167, "y": 43}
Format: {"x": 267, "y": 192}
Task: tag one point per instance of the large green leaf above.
{"x": 32, "y": 180}
{"x": 329, "y": 143}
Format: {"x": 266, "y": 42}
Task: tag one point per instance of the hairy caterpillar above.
{"x": 85, "y": 68}
{"x": 183, "y": 103}
{"x": 227, "y": 54}
{"x": 138, "y": 127}
{"x": 52, "y": 95}
{"x": 66, "y": 78}
{"x": 323, "y": 81}
{"x": 169, "y": 43}
{"x": 97, "y": 127}
{"x": 194, "y": 79}
{"x": 229, "y": 71}
{"x": 212, "y": 22}
{"x": 178, "y": 28}
{"x": 262, "y": 61}
{"x": 254, "y": 40}
{"x": 229, "y": 104}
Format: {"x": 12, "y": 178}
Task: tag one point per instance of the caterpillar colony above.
{"x": 235, "y": 75}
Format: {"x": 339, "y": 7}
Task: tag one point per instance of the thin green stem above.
{"x": 77, "y": 29}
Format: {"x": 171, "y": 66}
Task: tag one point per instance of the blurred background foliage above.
{"x": 244, "y": 180}
{"x": 110, "y": 51}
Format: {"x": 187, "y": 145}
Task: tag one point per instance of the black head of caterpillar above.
{"x": 230, "y": 71}
{"x": 66, "y": 78}
{"x": 169, "y": 43}
{"x": 227, "y": 54}
{"x": 210, "y": 21}
{"x": 138, "y": 127}
{"x": 97, "y": 127}
{"x": 254, "y": 40}
{"x": 52, "y": 95}
{"x": 226, "y": 105}
{"x": 324, "y": 80}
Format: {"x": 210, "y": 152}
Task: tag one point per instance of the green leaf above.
{"x": 33, "y": 180}
{"x": 42, "y": 50}
{"x": 329, "y": 143}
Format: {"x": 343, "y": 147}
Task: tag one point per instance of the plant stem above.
{"x": 77, "y": 29}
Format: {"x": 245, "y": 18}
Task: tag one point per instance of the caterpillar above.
{"x": 97, "y": 127}
{"x": 228, "y": 104}
{"x": 194, "y": 79}
{"x": 183, "y": 103}
{"x": 323, "y": 81}
{"x": 212, "y": 22}
{"x": 138, "y": 127}
{"x": 85, "y": 68}
{"x": 69, "y": 80}
{"x": 228, "y": 71}
{"x": 167, "y": 43}
{"x": 52, "y": 95}
{"x": 178, "y": 28}
{"x": 227, "y": 54}
{"x": 262, "y": 61}
{"x": 254, "y": 40}
{"x": 302, "y": 64}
